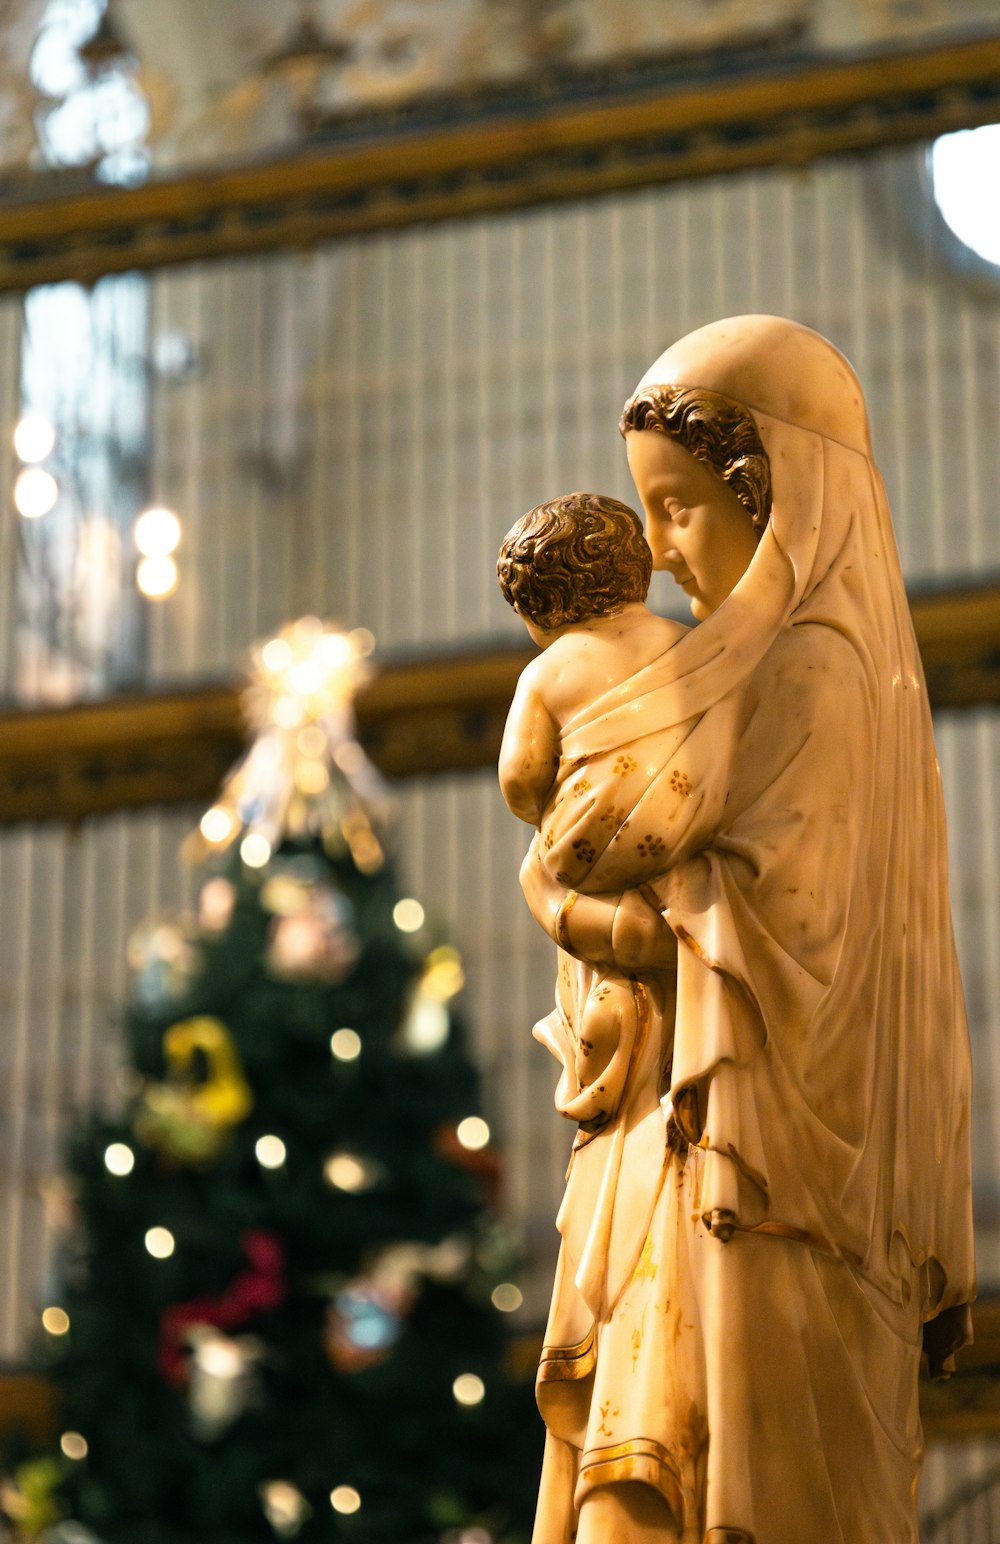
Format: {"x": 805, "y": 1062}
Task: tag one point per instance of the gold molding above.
{"x": 785, "y": 112}
{"x": 439, "y": 714}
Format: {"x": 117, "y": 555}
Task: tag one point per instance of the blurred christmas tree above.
{"x": 283, "y": 1296}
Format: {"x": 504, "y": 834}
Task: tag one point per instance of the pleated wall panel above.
{"x": 69, "y": 902}
{"x": 369, "y": 419}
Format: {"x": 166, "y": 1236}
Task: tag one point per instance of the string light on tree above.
{"x": 473, "y": 1133}
{"x": 119, "y": 1159}
{"x": 217, "y": 825}
{"x": 285, "y": 1508}
{"x": 506, "y": 1297}
{"x": 350, "y": 1173}
{"x": 36, "y": 492}
{"x": 408, "y": 915}
{"x": 345, "y": 1500}
{"x": 74, "y": 1445}
{"x": 160, "y": 1243}
{"x": 55, "y": 1321}
{"x": 345, "y": 1045}
{"x": 316, "y": 667}
{"x": 271, "y": 1152}
{"x": 469, "y": 1389}
{"x": 255, "y": 850}
{"x": 34, "y": 438}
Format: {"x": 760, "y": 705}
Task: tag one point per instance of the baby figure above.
{"x": 576, "y": 570}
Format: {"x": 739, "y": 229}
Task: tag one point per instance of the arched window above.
{"x": 79, "y": 619}
{"x": 965, "y": 180}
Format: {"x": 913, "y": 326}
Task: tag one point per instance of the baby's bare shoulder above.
{"x": 664, "y": 631}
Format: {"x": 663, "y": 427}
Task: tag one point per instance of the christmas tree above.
{"x": 282, "y": 1307}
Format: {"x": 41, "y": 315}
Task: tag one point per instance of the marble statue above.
{"x": 740, "y": 853}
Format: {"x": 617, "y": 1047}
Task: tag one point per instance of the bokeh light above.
{"x": 965, "y": 168}
{"x": 34, "y": 438}
{"x": 157, "y": 577}
{"x": 217, "y": 825}
{"x": 255, "y": 850}
{"x": 507, "y": 1297}
{"x": 345, "y": 1045}
{"x": 408, "y": 915}
{"x": 157, "y": 532}
{"x": 160, "y": 1243}
{"x": 469, "y": 1389}
{"x": 36, "y": 492}
{"x": 271, "y": 1152}
{"x": 119, "y": 1158}
{"x": 348, "y": 1172}
{"x": 473, "y": 1133}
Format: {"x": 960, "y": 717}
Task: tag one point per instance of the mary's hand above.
{"x": 623, "y": 930}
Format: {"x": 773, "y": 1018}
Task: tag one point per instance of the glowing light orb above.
{"x": 119, "y": 1158}
{"x": 255, "y": 850}
{"x": 408, "y": 915}
{"x": 345, "y": 1045}
{"x": 965, "y": 168}
{"x": 507, "y": 1297}
{"x": 217, "y": 825}
{"x": 157, "y": 577}
{"x": 473, "y": 1133}
{"x": 271, "y": 1152}
{"x": 157, "y": 533}
{"x": 160, "y": 1243}
{"x": 34, "y": 438}
{"x": 348, "y": 1172}
{"x": 36, "y": 492}
{"x": 469, "y": 1389}
{"x": 345, "y": 1499}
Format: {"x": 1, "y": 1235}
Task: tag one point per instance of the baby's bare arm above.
{"x": 529, "y": 754}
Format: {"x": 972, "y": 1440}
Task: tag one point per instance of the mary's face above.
{"x": 696, "y": 527}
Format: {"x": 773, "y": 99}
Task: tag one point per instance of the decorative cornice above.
{"x": 786, "y": 110}
{"x": 438, "y": 714}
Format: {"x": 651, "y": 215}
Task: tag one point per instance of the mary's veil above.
{"x": 821, "y": 1048}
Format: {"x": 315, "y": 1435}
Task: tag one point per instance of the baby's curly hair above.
{"x": 580, "y": 556}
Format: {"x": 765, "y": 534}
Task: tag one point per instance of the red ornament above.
{"x": 251, "y": 1292}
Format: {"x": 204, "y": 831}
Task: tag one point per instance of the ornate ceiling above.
{"x": 183, "y": 84}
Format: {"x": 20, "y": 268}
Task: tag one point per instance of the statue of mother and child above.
{"x": 740, "y": 853}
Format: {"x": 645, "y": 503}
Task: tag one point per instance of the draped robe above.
{"x": 805, "y": 1081}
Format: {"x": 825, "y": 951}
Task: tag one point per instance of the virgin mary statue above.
{"x": 772, "y": 1221}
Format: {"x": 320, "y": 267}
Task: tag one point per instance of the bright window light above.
{"x": 965, "y": 174}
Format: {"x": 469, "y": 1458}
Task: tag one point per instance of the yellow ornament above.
{"x": 188, "y": 1119}
{"x": 29, "y": 1500}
